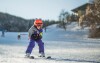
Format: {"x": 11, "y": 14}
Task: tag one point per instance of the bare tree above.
{"x": 63, "y": 19}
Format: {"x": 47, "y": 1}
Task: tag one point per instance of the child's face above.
{"x": 38, "y": 27}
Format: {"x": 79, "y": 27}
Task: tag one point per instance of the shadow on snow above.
{"x": 76, "y": 60}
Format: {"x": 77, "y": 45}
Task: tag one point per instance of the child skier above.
{"x": 35, "y": 35}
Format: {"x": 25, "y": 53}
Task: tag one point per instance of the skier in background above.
{"x": 19, "y": 36}
{"x": 35, "y": 35}
{"x": 3, "y": 33}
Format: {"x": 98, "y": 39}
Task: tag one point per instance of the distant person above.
{"x": 35, "y": 35}
{"x": 19, "y": 36}
{"x": 45, "y": 29}
{"x": 3, "y": 33}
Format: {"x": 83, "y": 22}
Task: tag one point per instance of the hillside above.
{"x": 13, "y": 23}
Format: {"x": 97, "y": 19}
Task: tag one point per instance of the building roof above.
{"x": 82, "y": 7}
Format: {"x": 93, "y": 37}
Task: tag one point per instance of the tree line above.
{"x": 13, "y": 23}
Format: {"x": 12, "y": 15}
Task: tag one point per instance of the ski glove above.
{"x": 36, "y": 36}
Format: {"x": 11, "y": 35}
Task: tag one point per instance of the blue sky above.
{"x": 45, "y": 9}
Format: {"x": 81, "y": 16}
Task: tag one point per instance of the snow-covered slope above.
{"x": 70, "y": 46}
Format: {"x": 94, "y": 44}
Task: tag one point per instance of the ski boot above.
{"x": 28, "y": 56}
{"x": 42, "y": 54}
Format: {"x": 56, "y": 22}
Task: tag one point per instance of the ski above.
{"x": 32, "y": 57}
{"x": 48, "y": 57}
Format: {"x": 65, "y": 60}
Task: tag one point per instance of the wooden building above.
{"x": 80, "y": 10}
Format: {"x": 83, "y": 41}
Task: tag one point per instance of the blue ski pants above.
{"x": 32, "y": 44}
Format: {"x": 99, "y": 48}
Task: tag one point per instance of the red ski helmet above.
{"x": 38, "y": 22}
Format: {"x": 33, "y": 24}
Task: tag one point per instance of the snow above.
{"x": 70, "y": 46}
